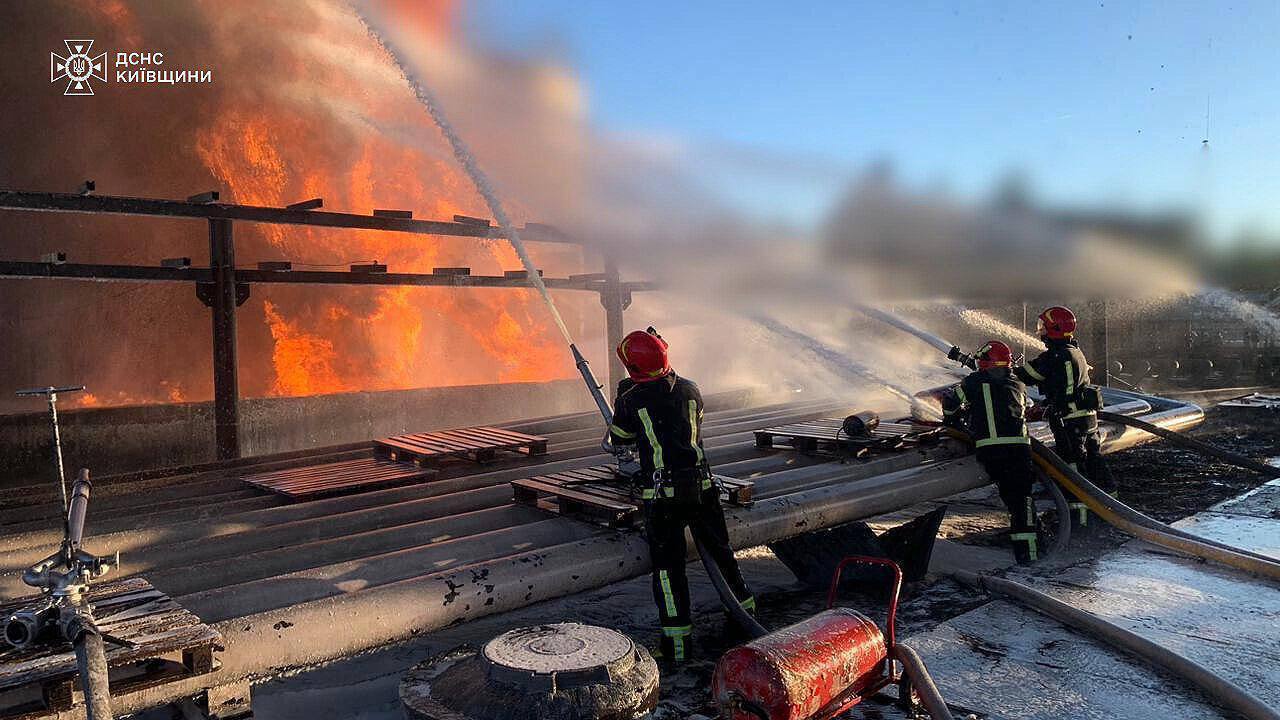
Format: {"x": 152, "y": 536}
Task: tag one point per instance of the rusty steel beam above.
{"x": 615, "y": 298}
{"x": 222, "y": 302}
{"x": 156, "y": 207}
{"x": 139, "y": 273}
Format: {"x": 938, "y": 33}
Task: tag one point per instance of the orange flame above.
{"x": 305, "y": 104}
{"x": 326, "y": 340}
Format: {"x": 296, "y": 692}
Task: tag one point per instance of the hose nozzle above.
{"x": 961, "y": 357}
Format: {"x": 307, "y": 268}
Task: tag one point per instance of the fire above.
{"x": 369, "y": 146}
{"x": 304, "y": 361}
{"x": 305, "y": 104}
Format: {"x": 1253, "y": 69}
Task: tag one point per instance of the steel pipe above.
{"x": 266, "y": 642}
{"x": 371, "y": 547}
{"x": 327, "y": 581}
{"x": 378, "y": 615}
{"x": 77, "y": 508}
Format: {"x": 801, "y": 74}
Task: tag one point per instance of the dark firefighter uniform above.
{"x": 1071, "y": 402}
{"x": 663, "y": 418}
{"x": 990, "y": 405}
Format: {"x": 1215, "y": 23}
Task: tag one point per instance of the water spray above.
{"x": 830, "y": 357}
{"x": 895, "y": 321}
{"x": 989, "y": 323}
{"x": 482, "y": 184}
{"x": 953, "y": 352}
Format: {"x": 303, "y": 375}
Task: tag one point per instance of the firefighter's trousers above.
{"x": 1010, "y": 468}
{"x": 665, "y": 519}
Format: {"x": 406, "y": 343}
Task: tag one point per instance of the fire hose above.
{"x": 1062, "y": 536}
{"x": 1140, "y": 525}
{"x": 1225, "y": 456}
{"x": 1224, "y": 691}
{"x": 1147, "y": 528}
{"x": 64, "y": 612}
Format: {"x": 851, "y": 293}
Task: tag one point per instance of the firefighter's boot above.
{"x": 1025, "y": 546}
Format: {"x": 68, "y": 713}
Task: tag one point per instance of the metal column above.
{"x": 615, "y": 299}
{"x": 1098, "y": 351}
{"x": 222, "y": 301}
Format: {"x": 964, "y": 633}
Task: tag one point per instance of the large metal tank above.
{"x": 793, "y": 673}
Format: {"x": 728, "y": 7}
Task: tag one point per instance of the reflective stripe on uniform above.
{"x": 960, "y": 394}
{"x": 653, "y": 439}
{"x": 991, "y": 412}
{"x": 1078, "y": 414}
{"x": 669, "y": 598}
{"x": 1030, "y": 539}
{"x": 677, "y": 636}
{"x": 647, "y": 494}
{"x": 749, "y": 604}
{"x": 993, "y": 437}
{"x": 621, "y": 433}
{"x": 1031, "y": 370}
{"x": 1003, "y": 441}
{"x": 1082, "y": 511}
{"x": 693, "y": 429}
{"x": 1071, "y": 378}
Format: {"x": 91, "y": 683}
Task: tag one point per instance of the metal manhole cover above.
{"x": 558, "y": 648}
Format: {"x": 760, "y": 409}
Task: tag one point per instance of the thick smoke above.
{"x": 303, "y": 104}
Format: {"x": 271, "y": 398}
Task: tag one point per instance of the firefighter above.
{"x": 661, "y": 414}
{"x": 1061, "y": 373}
{"x": 990, "y": 404}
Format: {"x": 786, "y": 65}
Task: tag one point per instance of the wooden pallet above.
{"x": 597, "y": 495}
{"x": 339, "y": 478}
{"x": 481, "y": 444}
{"x": 168, "y": 644}
{"x": 820, "y": 436}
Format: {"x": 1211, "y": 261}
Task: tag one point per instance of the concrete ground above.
{"x": 1010, "y": 662}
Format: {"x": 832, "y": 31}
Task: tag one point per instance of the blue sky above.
{"x": 1097, "y": 102}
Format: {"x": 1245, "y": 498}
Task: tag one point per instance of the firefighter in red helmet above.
{"x": 990, "y": 404}
{"x": 1072, "y": 402}
{"x": 661, "y": 414}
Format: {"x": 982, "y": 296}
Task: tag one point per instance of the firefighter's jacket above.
{"x": 1062, "y": 374}
{"x": 663, "y": 418}
{"x": 991, "y": 405}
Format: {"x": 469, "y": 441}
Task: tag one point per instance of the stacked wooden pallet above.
{"x": 597, "y": 495}
{"x": 337, "y": 478}
{"x": 164, "y": 643}
{"x": 481, "y": 444}
{"x": 398, "y": 460}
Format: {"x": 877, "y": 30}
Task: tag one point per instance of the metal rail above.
{"x": 157, "y": 207}
{"x": 222, "y": 286}
{"x": 143, "y": 273}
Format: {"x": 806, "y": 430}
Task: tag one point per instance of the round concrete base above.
{"x": 565, "y": 671}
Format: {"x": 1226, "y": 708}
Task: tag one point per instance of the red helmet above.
{"x": 993, "y": 354}
{"x": 1057, "y": 323}
{"x": 644, "y": 354}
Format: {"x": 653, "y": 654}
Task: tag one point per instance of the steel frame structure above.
{"x": 223, "y": 287}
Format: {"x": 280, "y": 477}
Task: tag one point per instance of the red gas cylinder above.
{"x": 794, "y": 672}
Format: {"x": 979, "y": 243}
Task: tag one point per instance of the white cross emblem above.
{"x": 78, "y": 67}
